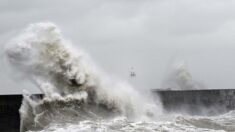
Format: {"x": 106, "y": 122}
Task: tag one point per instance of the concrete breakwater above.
{"x": 194, "y": 102}
{"x": 9, "y": 112}
{"x": 197, "y": 102}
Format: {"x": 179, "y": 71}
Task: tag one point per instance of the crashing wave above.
{"x": 180, "y": 78}
{"x": 72, "y": 87}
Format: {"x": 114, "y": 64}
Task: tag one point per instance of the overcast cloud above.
{"x": 149, "y": 35}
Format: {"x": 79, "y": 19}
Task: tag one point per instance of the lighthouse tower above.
{"x": 132, "y": 73}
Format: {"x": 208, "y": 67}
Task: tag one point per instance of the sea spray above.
{"x": 73, "y": 88}
{"x": 180, "y": 78}
{"x": 77, "y": 97}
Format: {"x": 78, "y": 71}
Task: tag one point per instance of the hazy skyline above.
{"x": 151, "y": 36}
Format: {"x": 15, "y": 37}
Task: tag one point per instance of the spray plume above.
{"x": 180, "y": 78}
{"x": 73, "y": 88}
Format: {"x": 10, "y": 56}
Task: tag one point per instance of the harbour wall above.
{"x": 197, "y": 102}
{"x": 193, "y": 102}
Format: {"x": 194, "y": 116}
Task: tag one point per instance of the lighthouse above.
{"x": 132, "y": 73}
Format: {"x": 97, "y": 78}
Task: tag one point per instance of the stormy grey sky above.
{"x": 150, "y": 35}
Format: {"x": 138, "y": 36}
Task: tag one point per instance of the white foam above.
{"x": 65, "y": 76}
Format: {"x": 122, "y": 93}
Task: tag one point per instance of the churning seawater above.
{"x": 164, "y": 123}
{"x": 78, "y": 96}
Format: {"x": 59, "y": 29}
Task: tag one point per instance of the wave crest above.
{"x": 73, "y": 89}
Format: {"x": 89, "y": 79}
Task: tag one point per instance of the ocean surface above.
{"x": 79, "y": 97}
{"x": 164, "y": 123}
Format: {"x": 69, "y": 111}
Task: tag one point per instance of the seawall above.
{"x": 194, "y": 102}
{"x": 9, "y": 113}
{"x": 197, "y": 102}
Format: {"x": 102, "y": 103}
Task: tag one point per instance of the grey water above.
{"x": 79, "y": 97}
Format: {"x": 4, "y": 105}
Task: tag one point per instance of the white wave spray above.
{"x": 78, "y": 97}
{"x": 74, "y": 89}
{"x": 180, "y": 78}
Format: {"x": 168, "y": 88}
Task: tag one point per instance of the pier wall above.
{"x": 194, "y": 102}
{"x": 9, "y": 113}
{"x": 197, "y": 102}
